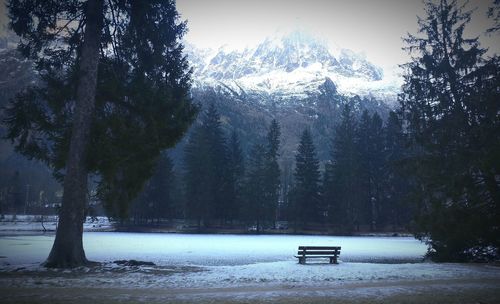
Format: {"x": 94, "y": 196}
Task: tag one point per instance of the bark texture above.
{"x": 67, "y": 250}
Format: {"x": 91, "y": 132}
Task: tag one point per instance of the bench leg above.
{"x": 333, "y": 260}
{"x": 302, "y": 260}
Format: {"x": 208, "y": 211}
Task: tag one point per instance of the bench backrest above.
{"x": 319, "y": 250}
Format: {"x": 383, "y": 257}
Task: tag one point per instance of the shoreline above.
{"x": 35, "y": 223}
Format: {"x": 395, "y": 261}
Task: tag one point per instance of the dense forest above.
{"x": 359, "y": 186}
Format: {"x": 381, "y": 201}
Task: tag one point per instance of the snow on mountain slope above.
{"x": 290, "y": 66}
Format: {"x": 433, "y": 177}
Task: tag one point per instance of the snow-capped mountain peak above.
{"x": 289, "y": 66}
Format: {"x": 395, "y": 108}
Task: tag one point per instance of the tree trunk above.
{"x": 67, "y": 250}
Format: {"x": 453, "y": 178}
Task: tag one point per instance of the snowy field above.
{"x": 213, "y": 250}
{"x": 248, "y": 266}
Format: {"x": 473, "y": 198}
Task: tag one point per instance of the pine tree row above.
{"x": 360, "y": 187}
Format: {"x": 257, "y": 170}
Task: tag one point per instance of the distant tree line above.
{"x": 222, "y": 186}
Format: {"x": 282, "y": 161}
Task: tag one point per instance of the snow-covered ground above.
{"x": 229, "y": 259}
{"x": 244, "y": 266}
{"x": 213, "y": 250}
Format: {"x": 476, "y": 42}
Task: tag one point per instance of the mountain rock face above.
{"x": 285, "y": 69}
{"x": 293, "y": 78}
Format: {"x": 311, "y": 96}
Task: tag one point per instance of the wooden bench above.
{"x": 331, "y": 252}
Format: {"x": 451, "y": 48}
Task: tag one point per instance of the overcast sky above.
{"x": 374, "y": 27}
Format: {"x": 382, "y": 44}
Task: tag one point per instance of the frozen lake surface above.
{"x": 213, "y": 250}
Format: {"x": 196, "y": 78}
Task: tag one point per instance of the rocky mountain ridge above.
{"x": 288, "y": 68}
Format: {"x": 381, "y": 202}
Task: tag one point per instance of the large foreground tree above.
{"x": 450, "y": 103}
{"x": 113, "y": 95}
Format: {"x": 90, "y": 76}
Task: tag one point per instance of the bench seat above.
{"x": 307, "y": 252}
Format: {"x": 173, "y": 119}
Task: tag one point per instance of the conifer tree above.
{"x": 341, "y": 194}
{"x": 273, "y": 139}
{"x": 395, "y": 183}
{"x": 196, "y": 168}
{"x": 206, "y": 164}
{"x": 236, "y": 171}
{"x": 255, "y": 199}
{"x": 262, "y": 181}
{"x": 113, "y": 94}
{"x": 450, "y": 105}
{"x": 370, "y": 145}
{"x": 307, "y": 199}
{"x": 328, "y": 191}
{"x": 218, "y": 161}
{"x": 379, "y": 210}
{"x": 272, "y": 175}
{"x": 364, "y": 172}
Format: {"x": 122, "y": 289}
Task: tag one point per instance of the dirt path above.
{"x": 474, "y": 291}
